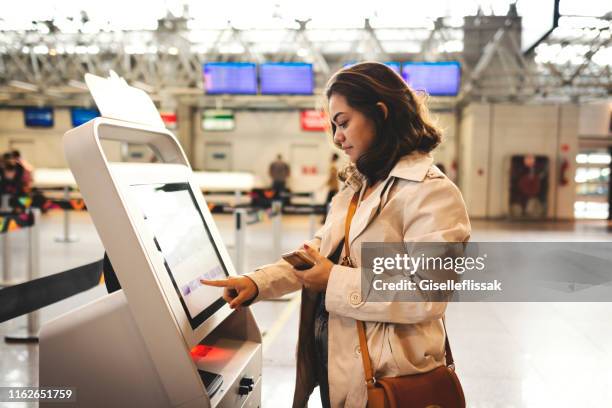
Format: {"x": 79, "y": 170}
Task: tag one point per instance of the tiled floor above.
{"x": 507, "y": 354}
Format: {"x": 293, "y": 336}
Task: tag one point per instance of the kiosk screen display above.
{"x": 182, "y": 236}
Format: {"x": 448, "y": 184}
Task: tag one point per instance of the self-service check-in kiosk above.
{"x": 164, "y": 340}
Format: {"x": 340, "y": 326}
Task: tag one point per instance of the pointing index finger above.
{"x": 221, "y": 283}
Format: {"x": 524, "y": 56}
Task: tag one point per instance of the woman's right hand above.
{"x": 237, "y": 290}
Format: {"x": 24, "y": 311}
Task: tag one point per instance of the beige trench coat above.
{"x": 420, "y": 204}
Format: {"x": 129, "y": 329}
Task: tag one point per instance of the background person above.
{"x": 383, "y": 129}
{"x": 27, "y": 170}
{"x": 12, "y": 175}
{"x": 279, "y": 172}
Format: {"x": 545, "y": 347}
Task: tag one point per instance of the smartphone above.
{"x": 299, "y": 260}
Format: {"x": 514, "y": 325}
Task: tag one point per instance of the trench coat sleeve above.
{"x": 436, "y": 214}
{"x": 277, "y": 279}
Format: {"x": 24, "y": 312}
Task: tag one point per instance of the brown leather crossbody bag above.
{"x": 439, "y": 388}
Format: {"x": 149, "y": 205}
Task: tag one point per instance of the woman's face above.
{"x": 355, "y": 132}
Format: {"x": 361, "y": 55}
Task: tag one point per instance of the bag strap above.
{"x": 365, "y": 355}
{"x": 363, "y": 344}
{"x": 347, "y": 227}
{"x": 349, "y": 217}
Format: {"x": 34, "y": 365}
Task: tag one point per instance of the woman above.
{"x": 381, "y": 126}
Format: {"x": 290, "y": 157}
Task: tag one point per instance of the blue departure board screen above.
{"x": 292, "y": 78}
{"x": 38, "y": 117}
{"x": 435, "y": 78}
{"x": 237, "y": 78}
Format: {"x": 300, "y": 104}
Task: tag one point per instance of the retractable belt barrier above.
{"x": 48, "y": 204}
{"x": 30, "y": 296}
{"x": 56, "y": 188}
{"x": 25, "y": 298}
{"x": 74, "y": 204}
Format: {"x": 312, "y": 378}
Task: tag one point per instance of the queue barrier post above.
{"x": 30, "y": 333}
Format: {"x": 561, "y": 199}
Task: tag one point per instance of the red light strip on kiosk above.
{"x": 200, "y": 351}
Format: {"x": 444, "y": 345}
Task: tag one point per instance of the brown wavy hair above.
{"x": 406, "y": 128}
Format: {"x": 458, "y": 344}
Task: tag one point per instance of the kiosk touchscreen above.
{"x": 182, "y": 236}
{"x": 164, "y": 340}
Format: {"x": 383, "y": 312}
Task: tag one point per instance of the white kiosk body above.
{"x": 164, "y": 340}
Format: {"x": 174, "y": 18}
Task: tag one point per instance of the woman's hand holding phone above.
{"x": 317, "y": 276}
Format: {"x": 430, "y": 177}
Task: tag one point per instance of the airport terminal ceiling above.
{"x": 508, "y": 51}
